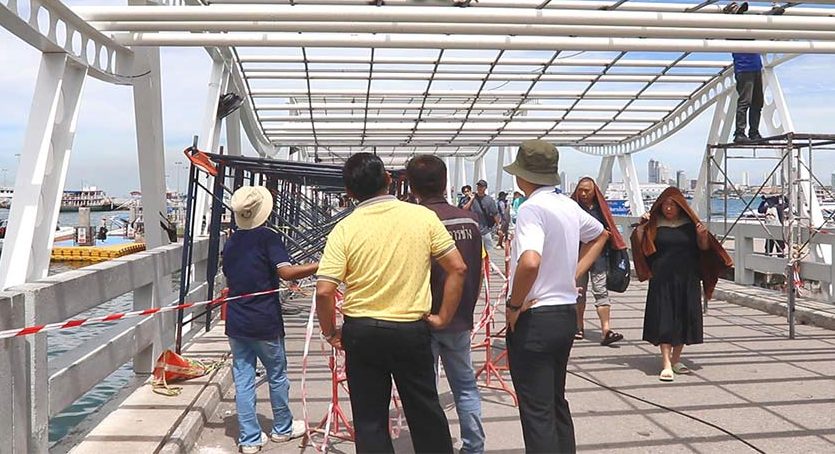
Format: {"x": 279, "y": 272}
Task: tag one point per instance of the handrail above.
{"x": 34, "y": 386}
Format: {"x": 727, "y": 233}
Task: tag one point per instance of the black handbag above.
{"x": 618, "y": 271}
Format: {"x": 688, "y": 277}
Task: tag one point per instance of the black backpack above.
{"x": 618, "y": 271}
{"x": 491, "y": 221}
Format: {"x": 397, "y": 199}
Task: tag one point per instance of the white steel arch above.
{"x": 52, "y": 27}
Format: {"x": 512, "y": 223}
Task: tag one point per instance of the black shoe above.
{"x": 755, "y": 136}
{"x": 743, "y": 7}
{"x": 741, "y": 138}
{"x": 775, "y": 11}
{"x": 731, "y": 8}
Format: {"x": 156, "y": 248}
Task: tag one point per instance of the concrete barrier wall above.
{"x": 34, "y": 388}
{"x": 740, "y": 242}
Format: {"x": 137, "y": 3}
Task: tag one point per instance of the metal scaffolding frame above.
{"x": 794, "y": 156}
{"x": 302, "y": 210}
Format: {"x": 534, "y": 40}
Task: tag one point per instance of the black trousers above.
{"x": 376, "y": 351}
{"x": 538, "y": 353}
{"x": 749, "y": 86}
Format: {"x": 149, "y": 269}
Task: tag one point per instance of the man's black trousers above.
{"x": 538, "y": 353}
{"x": 749, "y": 87}
{"x": 376, "y": 351}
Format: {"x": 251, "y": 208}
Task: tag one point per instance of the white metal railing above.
{"x": 33, "y": 387}
{"x": 748, "y": 261}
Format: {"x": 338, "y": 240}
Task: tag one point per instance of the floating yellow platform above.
{"x": 95, "y": 253}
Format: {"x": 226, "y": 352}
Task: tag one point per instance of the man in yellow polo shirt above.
{"x": 383, "y": 253}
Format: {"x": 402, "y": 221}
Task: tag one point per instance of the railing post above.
{"x": 743, "y": 247}
{"x": 14, "y": 420}
{"x": 34, "y": 375}
{"x": 143, "y": 362}
{"x": 831, "y": 295}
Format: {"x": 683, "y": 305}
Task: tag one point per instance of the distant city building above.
{"x": 745, "y": 179}
{"x": 681, "y": 180}
{"x": 693, "y": 184}
{"x": 654, "y": 171}
{"x": 563, "y": 182}
{"x": 832, "y": 180}
{"x": 664, "y": 175}
{"x": 775, "y": 179}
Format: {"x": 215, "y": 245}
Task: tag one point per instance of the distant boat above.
{"x": 90, "y": 197}
{"x": 6, "y": 197}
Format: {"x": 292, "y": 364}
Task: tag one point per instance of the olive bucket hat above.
{"x": 536, "y": 161}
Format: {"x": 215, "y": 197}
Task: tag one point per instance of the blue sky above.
{"x": 104, "y": 152}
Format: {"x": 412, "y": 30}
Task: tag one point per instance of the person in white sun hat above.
{"x": 254, "y": 259}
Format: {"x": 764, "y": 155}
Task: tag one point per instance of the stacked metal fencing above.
{"x": 306, "y": 208}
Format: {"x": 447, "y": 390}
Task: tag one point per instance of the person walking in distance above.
{"x": 590, "y": 198}
{"x": 504, "y": 214}
{"x": 678, "y": 255}
{"x": 466, "y": 199}
{"x": 541, "y": 308}
{"x": 427, "y": 180}
{"x": 488, "y": 213}
{"x": 254, "y": 258}
{"x": 383, "y": 252}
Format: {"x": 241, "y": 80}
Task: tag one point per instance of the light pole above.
{"x": 178, "y": 165}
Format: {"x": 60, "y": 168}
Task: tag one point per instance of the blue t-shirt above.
{"x": 251, "y": 259}
{"x": 747, "y": 63}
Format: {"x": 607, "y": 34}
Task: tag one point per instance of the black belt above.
{"x": 554, "y": 308}
{"x": 368, "y": 321}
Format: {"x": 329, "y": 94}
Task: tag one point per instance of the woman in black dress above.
{"x": 671, "y": 247}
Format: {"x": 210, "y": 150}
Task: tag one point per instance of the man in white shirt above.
{"x": 540, "y": 310}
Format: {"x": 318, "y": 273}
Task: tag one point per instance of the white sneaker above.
{"x": 296, "y": 431}
{"x": 252, "y": 449}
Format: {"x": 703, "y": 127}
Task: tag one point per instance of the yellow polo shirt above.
{"x": 383, "y": 251}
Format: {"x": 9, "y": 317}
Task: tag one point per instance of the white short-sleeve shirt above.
{"x": 552, "y": 225}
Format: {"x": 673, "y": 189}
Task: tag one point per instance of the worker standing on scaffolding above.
{"x": 254, "y": 258}
{"x": 749, "y": 86}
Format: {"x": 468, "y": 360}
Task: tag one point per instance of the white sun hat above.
{"x": 252, "y": 206}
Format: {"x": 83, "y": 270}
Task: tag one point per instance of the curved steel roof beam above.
{"x": 477, "y": 42}
{"x": 52, "y": 27}
{"x": 411, "y": 14}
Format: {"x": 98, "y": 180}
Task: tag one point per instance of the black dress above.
{"x": 673, "y": 313}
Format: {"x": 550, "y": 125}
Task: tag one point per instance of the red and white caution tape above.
{"x": 123, "y": 315}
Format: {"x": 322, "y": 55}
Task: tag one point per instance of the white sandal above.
{"x": 666, "y": 375}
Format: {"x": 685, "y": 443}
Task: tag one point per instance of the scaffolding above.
{"x": 303, "y": 211}
{"x": 801, "y": 217}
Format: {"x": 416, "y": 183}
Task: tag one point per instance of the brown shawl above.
{"x": 712, "y": 261}
{"x": 616, "y": 241}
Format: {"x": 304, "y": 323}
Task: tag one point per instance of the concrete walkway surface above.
{"x": 749, "y": 381}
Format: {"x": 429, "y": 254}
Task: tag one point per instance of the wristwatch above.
{"x": 329, "y": 338}
{"x": 511, "y": 307}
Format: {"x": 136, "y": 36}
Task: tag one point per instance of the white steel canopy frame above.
{"x": 455, "y": 78}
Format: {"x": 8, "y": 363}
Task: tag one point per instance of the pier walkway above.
{"x": 748, "y": 379}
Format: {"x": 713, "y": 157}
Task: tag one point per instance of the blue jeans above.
{"x": 274, "y": 359}
{"x": 454, "y": 350}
